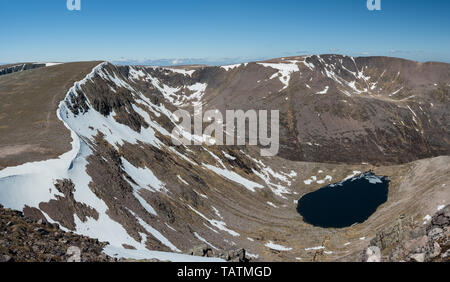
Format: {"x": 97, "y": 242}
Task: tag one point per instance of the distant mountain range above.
{"x": 184, "y": 61}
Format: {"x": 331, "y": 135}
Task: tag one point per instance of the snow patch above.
{"x": 182, "y": 180}
{"x": 277, "y": 247}
{"x": 315, "y": 248}
{"x": 147, "y": 254}
{"x": 204, "y": 241}
{"x": 284, "y": 71}
{"x": 325, "y": 91}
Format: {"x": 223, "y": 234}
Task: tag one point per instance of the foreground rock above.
{"x": 23, "y": 239}
{"x": 406, "y": 241}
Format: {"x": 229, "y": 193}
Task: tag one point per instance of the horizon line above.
{"x": 213, "y": 61}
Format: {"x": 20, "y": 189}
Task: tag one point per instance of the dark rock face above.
{"x": 23, "y": 239}
{"x": 405, "y": 241}
{"x": 20, "y": 67}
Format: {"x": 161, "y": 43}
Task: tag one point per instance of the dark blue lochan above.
{"x": 345, "y": 203}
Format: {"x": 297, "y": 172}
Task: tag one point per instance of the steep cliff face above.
{"x": 122, "y": 180}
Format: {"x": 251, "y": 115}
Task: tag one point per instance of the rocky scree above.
{"x": 407, "y": 241}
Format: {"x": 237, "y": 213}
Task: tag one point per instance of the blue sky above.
{"x": 221, "y": 31}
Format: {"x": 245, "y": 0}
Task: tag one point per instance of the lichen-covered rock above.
{"x": 418, "y": 257}
{"x": 74, "y": 254}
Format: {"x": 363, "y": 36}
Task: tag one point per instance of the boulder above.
{"x": 418, "y": 257}
{"x": 373, "y": 254}
{"x": 74, "y": 254}
{"x": 201, "y": 251}
{"x": 42, "y": 222}
{"x": 6, "y": 258}
{"x": 436, "y": 251}
{"x": 436, "y": 233}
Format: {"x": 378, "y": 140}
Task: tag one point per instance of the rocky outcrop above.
{"x": 405, "y": 241}
{"x": 64, "y": 209}
{"x": 236, "y": 255}
{"x": 23, "y": 239}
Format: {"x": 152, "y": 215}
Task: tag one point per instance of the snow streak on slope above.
{"x": 347, "y": 81}
{"x": 325, "y": 91}
{"x": 233, "y": 176}
{"x": 178, "y": 96}
{"x": 284, "y": 71}
{"x": 217, "y": 224}
{"x": 278, "y": 182}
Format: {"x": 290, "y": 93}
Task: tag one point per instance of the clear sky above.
{"x": 221, "y": 30}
